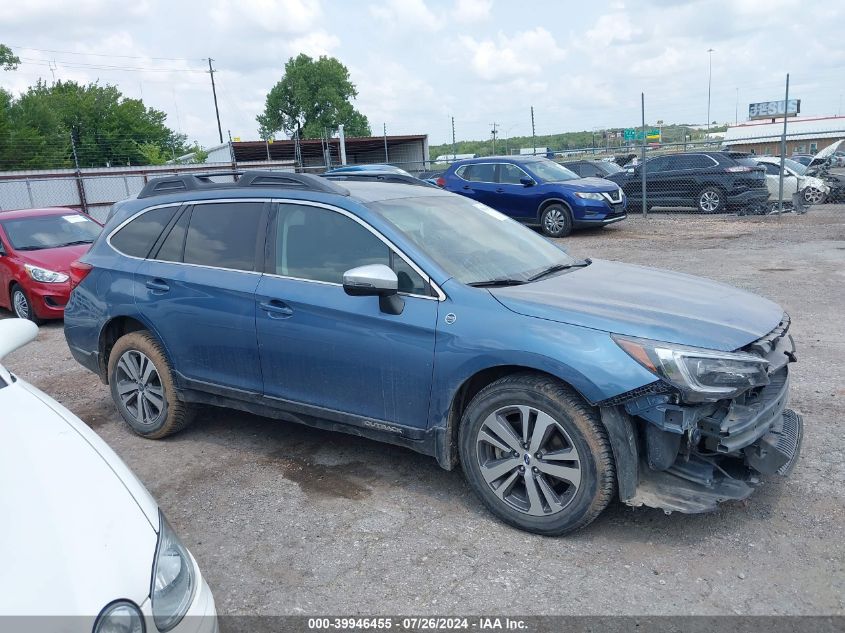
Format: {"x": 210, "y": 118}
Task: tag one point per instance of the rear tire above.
{"x": 143, "y": 389}
{"x": 22, "y": 306}
{"x": 710, "y": 200}
{"x": 537, "y": 455}
{"x": 556, "y": 221}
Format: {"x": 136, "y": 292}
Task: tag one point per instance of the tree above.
{"x": 8, "y": 60}
{"x": 312, "y": 98}
{"x": 107, "y": 128}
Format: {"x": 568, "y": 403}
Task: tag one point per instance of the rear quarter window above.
{"x": 138, "y": 236}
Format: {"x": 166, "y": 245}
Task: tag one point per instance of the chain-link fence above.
{"x": 737, "y": 172}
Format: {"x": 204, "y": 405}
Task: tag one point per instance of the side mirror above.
{"x": 375, "y": 280}
{"x": 527, "y": 182}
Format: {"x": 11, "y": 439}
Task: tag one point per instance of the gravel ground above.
{"x": 288, "y": 520}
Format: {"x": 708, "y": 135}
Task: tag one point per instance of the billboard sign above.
{"x": 771, "y": 109}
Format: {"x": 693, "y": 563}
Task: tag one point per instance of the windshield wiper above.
{"x": 76, "y": 243}
{"x": 492, "y": 283}
{"x": 559, "y": 267}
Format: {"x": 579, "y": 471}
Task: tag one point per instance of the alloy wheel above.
{"x": 21, "y": 304}
{"x": 528, "y": 460}
{"x": 709, "y": 201}
{"x": 139, "y": 388}
{"x": 813, "y": 195}
{"x": 554, "y": 221}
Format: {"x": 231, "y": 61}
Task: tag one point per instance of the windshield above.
{"x": 470, "y": 241}
{"x": 611, "y": 167}
{"x": 549, "y": 171}
{"x": 50, "y": 231}
{"x": 795, "y": 166}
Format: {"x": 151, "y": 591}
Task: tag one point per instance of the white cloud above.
{"x": 314, "y": 44}
{"x": 472, "y": 10}
{"x": 405, "y": 15}
{"x": 525, "y": 53}
{"x": 273, "y": 16}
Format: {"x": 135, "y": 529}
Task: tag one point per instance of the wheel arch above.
{"x": 550, "y": 201}
{"x": 447, "y": 447}
{"x": 113, "y": 330}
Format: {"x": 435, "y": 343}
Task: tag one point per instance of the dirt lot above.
{"x": 289, "y": 520}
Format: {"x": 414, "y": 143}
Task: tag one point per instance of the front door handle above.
{"x": 500, "y": 190}
{"x": 157, "y": 285}
{"x": 276, "y": 309}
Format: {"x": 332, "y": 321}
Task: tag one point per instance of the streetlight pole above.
{"x": 710, "y": 52}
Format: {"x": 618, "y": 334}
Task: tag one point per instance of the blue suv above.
{"x": 536, "y": 190}
{"x": 407, "y": 314}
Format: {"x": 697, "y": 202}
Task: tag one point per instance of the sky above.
{"x": 417, "y": 63}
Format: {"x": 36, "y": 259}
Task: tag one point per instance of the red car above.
{"x": 37, "y": 247}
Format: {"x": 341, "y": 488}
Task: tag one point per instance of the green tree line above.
{"x": 563, "y": 141}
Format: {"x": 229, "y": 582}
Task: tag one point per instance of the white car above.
{"x": 82, "y": 537}
{"x": 814, "y": 190}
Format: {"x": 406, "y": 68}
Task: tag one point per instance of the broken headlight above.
{"x": 702, "y": 375}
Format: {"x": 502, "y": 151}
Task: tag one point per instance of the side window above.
{"x": 656, "y": 165}
{"x": 137, "y": 238}
{"x": 575, "y": 167}
{"x": 321, "y": 245}
{"x": 483, "y": 172}
{"x": 701, "y": 162}
{"x": 771, "y": 169}
{"x": 171, "y": 249}
{"x": 224, "y": 235}
{"x": 589, "y": 171}
{"x": 461, "y": 171}
{"x": 409, "y": 279}
{"x": 510, "y": 174}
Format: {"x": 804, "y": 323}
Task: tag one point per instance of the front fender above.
{"x": 485, "y": 335}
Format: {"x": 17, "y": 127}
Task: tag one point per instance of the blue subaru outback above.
{"x": 537, "y": 191}
{"x": 408, "y": 314}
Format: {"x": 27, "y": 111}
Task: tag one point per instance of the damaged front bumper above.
{"x": 689, "y": 457}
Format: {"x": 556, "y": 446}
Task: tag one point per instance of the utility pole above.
{"x": 211, "y": 72}
{"x": 533, "y": 137}
{"x": 783, "y": 147}
{"x": 494, "y": 132}
{"x": 710, "y": 52}
{"x": 386, "y": 159}
{"x": 80, "y": 184}
{"x": 642, "y": 163}
{"x": 454, "y": 154}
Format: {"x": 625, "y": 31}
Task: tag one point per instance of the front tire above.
{"x": 143, "y": 388}
{"x": 537, "y": 455}
{"x": 711, "y": 200}
{"x": 814, "y": 196}
{"x": 556, "y": 221}
{"x": 22, "y": 306}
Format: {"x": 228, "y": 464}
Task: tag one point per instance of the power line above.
{"x": 61, "y": 62}
{"x": 50, "y": 50}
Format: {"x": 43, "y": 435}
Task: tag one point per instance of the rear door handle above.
{"x": 467, "y": 187}
{"x": 276, "y": 309}
{"x": 157, "y": 285}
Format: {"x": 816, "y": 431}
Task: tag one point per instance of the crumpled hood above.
{"x": 648, "y": 303}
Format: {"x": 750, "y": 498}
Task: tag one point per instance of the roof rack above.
{"x": 379, "y": 176}
{"x": 251, "y": 178}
